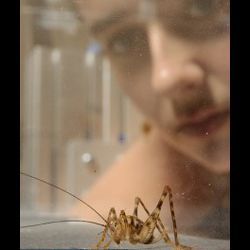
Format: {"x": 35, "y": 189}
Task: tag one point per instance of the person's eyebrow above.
{"x": 110, "y": 20}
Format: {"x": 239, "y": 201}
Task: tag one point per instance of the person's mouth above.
{"x": 203, "y": 123}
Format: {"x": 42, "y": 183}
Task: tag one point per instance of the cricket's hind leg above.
{"x": 149, "y": 225}
{"x": 177, "y": 246}
{"x": 155, "y": 219}
{"x": 160, "y": 228}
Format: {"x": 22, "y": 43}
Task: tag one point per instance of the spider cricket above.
{"x": 128, "y": 227}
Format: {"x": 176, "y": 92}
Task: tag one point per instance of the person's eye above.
{"x": 201, "y": 8}
{"x": 213, "y": 11}
{"x": 201, "y": 19}
{"x": 128, "y": 41}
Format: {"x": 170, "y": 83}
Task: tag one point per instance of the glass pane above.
{"x": 125, "y": 99}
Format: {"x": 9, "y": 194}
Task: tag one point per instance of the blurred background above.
{"x": 74, "y": 120}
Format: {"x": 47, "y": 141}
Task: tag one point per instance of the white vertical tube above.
{"x": 90, "y": 61}
{"x": 56, "y": 60}
{"x": 106, "y": 100}
{"x": 32, "y": 117}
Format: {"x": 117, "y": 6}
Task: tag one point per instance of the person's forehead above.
{"x": 92, "y": 10}
{"x": 101, "y": 14}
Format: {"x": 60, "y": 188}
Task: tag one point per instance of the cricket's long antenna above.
{"x": 61, "y": 221}
{"x": 55, "y": 186}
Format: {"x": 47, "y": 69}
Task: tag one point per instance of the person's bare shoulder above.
{"x": 139, "y": 172}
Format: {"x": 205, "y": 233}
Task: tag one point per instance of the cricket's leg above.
{"x": 112, "y": 216}
{"x": 153, "y": 219}
{"x": 178, "y": 246}
{"x": 146, "y": 234}
{"x": 124, "y": 221}
{"x": 104, "y": 233}
{"x": 107, "y": 244}
{"x": 161, "y": 229}
{"x": 171, "y": 205}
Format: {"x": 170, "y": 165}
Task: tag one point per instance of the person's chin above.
{"x": 216, "y": 154}
{"x": 212, "y": 153}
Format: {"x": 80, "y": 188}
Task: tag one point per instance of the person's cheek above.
{"x": 215, "y": 56}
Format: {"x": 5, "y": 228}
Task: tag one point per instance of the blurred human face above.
{"x": 172, "y": 58}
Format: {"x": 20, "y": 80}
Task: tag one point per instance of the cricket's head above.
{"x": 115, "y": 226}
{"x": 116, "y": 230}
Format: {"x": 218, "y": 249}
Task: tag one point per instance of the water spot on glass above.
{"x": 87, "y": 158}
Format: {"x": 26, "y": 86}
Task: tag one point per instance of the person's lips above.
{"x": 203, "y": 123}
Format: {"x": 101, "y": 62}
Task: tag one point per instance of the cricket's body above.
{"x": 131, "y": 230}
{"x": 127, "y": 231}
{"x": 130, "y": 227}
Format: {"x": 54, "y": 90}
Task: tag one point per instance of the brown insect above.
{"x": 130, "y": 227}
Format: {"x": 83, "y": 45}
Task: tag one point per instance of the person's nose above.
{"x": 175, "y": 66}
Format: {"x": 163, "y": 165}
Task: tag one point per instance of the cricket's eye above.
{"x": 113, "y": 223}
